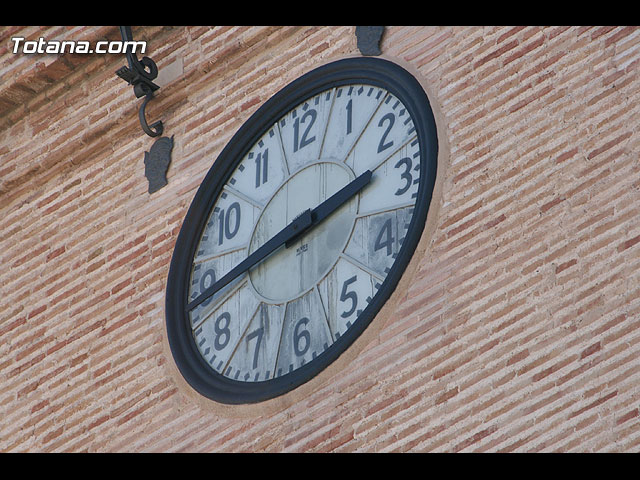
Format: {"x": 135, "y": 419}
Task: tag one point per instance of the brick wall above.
{"x": 518, "y": 331}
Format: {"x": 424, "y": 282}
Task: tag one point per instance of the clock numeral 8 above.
{"x": 223, "y": 334}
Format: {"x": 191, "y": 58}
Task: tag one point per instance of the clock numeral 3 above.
{"x": 406, "y": 175}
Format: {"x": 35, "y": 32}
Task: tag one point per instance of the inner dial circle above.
{"x": 291, "y": 271}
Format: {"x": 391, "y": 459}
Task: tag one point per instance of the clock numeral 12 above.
{"x": 298, "y": 142}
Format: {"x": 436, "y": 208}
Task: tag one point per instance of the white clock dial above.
{"x": 301, "y": 230}
{"x": 290, "y": 307}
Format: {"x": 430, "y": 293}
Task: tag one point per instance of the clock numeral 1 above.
{"x": 226, "y": 230}
{"x": 349, "y": 108}
{"x": 262, "y": 166}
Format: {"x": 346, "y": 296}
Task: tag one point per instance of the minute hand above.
{"x": 300, "y": 223}
{"x": 287, "y": 235}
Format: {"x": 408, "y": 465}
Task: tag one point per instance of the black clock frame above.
{"x": 366, "y": 70}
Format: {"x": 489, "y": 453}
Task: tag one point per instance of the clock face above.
{"x": 301, "y": 230}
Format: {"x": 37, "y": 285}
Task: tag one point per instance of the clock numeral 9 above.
{"x": 226, "y": 230}
{"x": 206, "y": 281}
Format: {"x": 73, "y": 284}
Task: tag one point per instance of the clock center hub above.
{"x": 291, "y": 271}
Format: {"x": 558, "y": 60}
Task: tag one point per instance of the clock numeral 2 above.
{"x": 391, "y": 118}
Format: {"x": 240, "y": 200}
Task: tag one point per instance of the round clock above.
{"x": 301, "y": 230}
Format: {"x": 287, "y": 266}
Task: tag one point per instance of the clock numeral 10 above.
{"x": 226, "y": 230}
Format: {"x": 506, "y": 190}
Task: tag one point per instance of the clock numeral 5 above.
{"x": 353, "y": 296}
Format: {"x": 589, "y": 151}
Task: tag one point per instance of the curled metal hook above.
{"x": 140, "y": 74}
{"x": 156, "y": 129}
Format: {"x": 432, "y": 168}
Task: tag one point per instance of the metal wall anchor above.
{"x": 140, "y": 74}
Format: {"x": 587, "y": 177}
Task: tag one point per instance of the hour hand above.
{"x": 334, "y": 202}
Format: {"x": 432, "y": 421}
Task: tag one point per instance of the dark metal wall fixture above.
{"x": 369, "y": 40}
{"x": 140, "y": 74}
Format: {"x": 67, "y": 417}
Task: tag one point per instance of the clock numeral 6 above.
{"x": 301, "y": 336}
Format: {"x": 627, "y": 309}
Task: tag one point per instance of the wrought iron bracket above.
{"x": 140, "y": 74}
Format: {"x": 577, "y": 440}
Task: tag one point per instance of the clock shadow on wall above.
{"x": 301, "y": 230}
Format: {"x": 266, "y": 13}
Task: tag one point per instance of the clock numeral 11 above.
{"x": 262, "y": 166}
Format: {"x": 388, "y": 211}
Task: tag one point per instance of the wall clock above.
{"x": 301, "y": 230}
